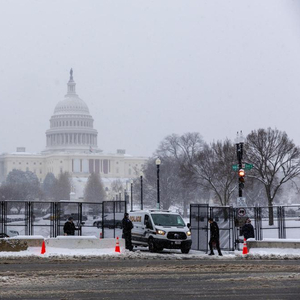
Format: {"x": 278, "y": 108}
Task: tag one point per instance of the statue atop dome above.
{"x": 71, "y": 84}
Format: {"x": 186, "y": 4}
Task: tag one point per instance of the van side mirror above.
{"x": 188, "y": 225}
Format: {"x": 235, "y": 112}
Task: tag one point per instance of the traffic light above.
{"x": 241, "y": 178}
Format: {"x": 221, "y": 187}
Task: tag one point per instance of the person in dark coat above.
{"x": 214, "y": 237}
{"x": 127, "y": 226}
{"x": 69, "y": 227}
{"x": 248, "y": 230}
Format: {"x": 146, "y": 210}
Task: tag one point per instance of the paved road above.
{"x": 159, "y": 278}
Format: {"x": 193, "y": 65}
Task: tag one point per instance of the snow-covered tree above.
{"x": 94, "y": 191}
{"x": 275, "y": 158}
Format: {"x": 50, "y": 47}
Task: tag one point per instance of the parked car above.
{"x": 76, "y": 217}
{"x": 9, "y": 233}
{"x": 108, "y": 224}
{"x": 64, "y": 217}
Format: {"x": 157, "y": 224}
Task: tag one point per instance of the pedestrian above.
{"x": 214, "y": 237}
{"x": 69, "y": 227}
{"x": 127, "y": 226}
{"x": 248, "y": 230}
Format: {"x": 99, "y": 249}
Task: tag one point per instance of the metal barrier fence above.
{"x": 48, "y": 218}
{"x": 230, "y": 220}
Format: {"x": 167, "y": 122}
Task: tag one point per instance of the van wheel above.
{"x": 185, "y": 250}
{"x": 151, "y": 245}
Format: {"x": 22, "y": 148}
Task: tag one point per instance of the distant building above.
{"x": 71, "y": 146}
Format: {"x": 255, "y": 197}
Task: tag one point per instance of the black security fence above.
{"x": 48, "y": 218}
{"x": 286, "y": 224}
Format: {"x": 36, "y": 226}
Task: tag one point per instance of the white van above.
{"x": 159, "y": 229}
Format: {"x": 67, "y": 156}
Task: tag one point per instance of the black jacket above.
{"x": 248, "y": 231}
{"x": 69, "y": 228}
{"x": 214, "y": 231}
{"x": 127, "y": 226}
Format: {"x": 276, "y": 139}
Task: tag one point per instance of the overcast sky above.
{"x": 147, "y": 69}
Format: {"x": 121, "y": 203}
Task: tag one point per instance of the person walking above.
{"x": 248, "y": 230}
{"x": 127, "y": 226}
{"x": 214, "y": 237}
{"x": 69, "y": 227}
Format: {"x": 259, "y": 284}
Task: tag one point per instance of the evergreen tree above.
{"x": 63, "y": 187}
{"x": 22, "y": 185}
{"x": 94, "y": 191}
{"x": 49, "y": 186}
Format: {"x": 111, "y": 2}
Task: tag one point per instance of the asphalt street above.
{"x": 159, "y": 278}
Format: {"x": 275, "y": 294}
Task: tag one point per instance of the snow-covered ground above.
{"x": 143, "y": 253}
{"x": 42, "y": 227}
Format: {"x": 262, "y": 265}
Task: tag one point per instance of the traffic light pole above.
{"x": 239, "y": 152}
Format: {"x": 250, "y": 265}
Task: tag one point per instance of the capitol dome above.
{"x": 71, "y": 125}
{"x": 71, "y": 105}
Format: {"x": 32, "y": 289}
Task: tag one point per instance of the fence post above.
{"x": 2, "y": 216}
{"x": 281, "y": 220}
{"x": 103, "y": 206}
{"x": 258, "y": 223}
{"x": 28, "y": 221}
{"x": 80, "y": 218}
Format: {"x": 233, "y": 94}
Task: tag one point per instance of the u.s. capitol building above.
{"x": 71, "y": 146}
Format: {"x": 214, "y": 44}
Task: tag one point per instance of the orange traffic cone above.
{"x": 43, "y": 250}
{"x": 245, "y": 249}
{"x": 117, "y": 249}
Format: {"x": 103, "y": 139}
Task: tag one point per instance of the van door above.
{"x": 138, "y": 231}
{"x": 148, "y": 225}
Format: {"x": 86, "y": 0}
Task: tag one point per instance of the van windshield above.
{"x": 167, "y": 220}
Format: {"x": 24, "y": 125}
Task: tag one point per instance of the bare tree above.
{"x": 211, "y": 169}
{"x": 173, "y": 150}
{"x": 276, "y": 160}
{"x": 117, "y": 188}
{"x": 167, "y": 170}
{"x": 183, "y": 148}
{"x": 254, "y": 192}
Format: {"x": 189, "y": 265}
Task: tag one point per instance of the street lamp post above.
{"x": 131, "y": 194}
{"x": 157, "y": 162}
{"x": 141, "y": 190}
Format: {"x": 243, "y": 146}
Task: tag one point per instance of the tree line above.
{"x": 191, "y": 171}
{"x": 20, "y": 185}
{"x": 194, "y": 171}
